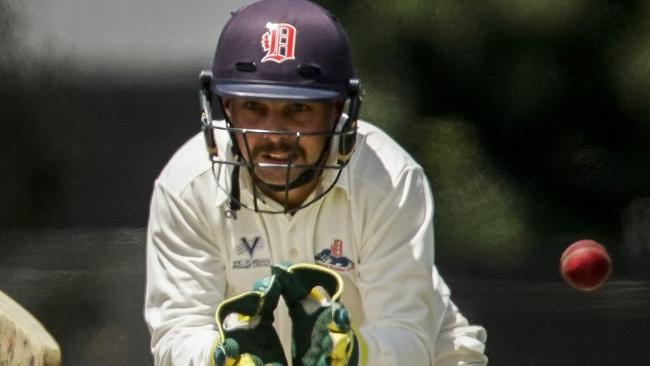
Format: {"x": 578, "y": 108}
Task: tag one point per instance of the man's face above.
{"x": 290, "y": 118}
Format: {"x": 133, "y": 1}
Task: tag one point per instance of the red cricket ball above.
{"x": 585, "y": 265}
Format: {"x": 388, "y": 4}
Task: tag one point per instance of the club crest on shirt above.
{"x": 246, "y": 250}
{"x": 333, "y": 258}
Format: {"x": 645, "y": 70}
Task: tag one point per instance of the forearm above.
{"x": 460, "y": 343}
{"x": 184, "y": 346}
{"x": 180, "y": 318}
{"x": 400, "y": 323}
{"x": 457, "y": 342}
{"x": 185, "y": 281}
{"x": 394, "y": 346}
{"x": 182, "y": 327}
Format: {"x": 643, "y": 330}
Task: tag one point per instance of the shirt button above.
{"x": 293, "y": 253}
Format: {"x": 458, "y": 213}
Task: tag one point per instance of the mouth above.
{"x": 276, "y": 158}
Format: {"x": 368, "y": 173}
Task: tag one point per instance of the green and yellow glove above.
{"x": 322, "y": 334}
{"x": 245, "y": 324}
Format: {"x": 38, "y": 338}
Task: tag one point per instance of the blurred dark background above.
{"x": 531, "y": 118}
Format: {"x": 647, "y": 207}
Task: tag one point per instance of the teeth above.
{"x": 279, "y": 157}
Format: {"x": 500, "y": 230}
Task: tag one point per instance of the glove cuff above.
{"x": 213, "y": 349}
{"x": 360, "y": 351}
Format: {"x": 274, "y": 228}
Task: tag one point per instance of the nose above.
{"x": 274, "y": 120}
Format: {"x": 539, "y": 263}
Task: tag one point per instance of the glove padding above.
{"x": 321, "y": 331}
{"x": 245, "y": 324}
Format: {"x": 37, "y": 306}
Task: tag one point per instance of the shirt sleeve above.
{"x": 410, "y": 319}
{"x": 395, "y": 273}
{"x": 185, "y": 281}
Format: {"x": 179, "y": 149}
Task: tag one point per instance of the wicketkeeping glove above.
{"x": 245, "y": 324}
{"x": 321, "y": 331}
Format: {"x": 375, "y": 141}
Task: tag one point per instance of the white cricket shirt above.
{"x": 375, "y": 228}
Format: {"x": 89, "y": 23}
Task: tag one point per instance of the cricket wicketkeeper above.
{"x": 291, "y": 232}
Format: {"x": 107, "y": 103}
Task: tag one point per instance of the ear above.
{"x": 338, "y": 111}
{"x": 226, "y": 103}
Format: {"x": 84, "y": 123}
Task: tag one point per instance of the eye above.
{"x": 251, "y": 105}
{"x": 298, "y": 107}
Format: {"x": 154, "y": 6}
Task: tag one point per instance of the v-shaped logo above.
{"x": 246, "y": 246}
{"x": 246, "y": 250}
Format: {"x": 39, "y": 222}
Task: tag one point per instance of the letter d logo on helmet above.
{"x": 279, "y": 42}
